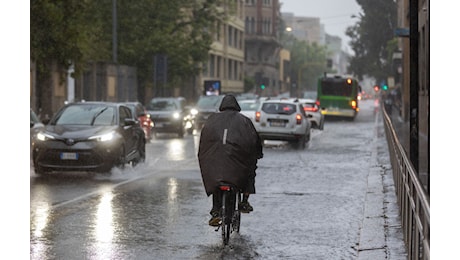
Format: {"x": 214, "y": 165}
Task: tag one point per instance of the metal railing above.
{"x": 414, "y": 205}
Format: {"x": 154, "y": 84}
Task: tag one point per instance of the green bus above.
{"x": 338, "y": 95}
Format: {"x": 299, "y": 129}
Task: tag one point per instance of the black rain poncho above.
{"x": 229, "y": 147}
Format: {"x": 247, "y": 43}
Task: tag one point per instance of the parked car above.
{"x": 89, "y": 136}
{"x": 283, "y": 120}
{"x": 311, "y": 107}
{"x": 206, "y": 106}
{"x": 249, "y": 108}
{"x": 169, "y": 115}
{"x": 140, "y": 113}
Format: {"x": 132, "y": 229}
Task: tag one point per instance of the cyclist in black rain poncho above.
{"x": 228, "y": 152}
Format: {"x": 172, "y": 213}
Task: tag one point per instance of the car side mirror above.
{"x": 130, "y": 121}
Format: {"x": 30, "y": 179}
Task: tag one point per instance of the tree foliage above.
{"x": 371, "y": 39}
{"x": 77, "y": 32}
{"x": 308, "y": 61}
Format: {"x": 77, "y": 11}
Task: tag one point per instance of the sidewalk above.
{"x": 381, "y": 236}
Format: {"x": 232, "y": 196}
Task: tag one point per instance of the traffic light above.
{"x": 262, "y": 86}
{"x": 385, "y": 87}
{"x": 376, "y": 88}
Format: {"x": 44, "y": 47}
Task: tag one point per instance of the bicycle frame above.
{"x": 230, "y": 212}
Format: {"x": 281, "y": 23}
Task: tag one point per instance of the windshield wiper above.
{"x": 98, "y": 114}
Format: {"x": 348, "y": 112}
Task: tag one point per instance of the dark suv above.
{"x": 168, "y": 115}
{"x": 206, "y": 106}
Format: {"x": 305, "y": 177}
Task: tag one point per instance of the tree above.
{"x": 308, "y": 61}
{"x": 371, "y": 38}
{"x": 75, "y": 32}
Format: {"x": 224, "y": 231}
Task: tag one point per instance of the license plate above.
{"x": 159, "y": 125}
{"x": 69, "y": 156}
{"x": 277, "y": 123}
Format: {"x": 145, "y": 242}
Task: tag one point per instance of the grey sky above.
{"x": 334, "y": 14}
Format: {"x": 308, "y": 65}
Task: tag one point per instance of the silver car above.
{"x": 311, "y": 107}
{"x": 283, "y": 120}
{"x": 249, "y": 108}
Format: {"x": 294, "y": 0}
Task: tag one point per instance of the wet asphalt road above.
{"x": 309, "y": 203}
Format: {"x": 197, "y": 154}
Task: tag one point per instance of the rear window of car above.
{"x": 248, "y": 106}
{"x": 279, "y": 108}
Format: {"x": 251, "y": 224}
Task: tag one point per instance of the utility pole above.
{"x": 114, "y": 31}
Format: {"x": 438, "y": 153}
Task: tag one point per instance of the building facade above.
{"x": 226, "y": 58}
{"x": 262, "y": 19}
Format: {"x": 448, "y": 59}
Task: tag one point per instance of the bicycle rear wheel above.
{"x": 226, "y": 218}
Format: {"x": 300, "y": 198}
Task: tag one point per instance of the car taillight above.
{"x": 310, "y": 109}
{"x": 257, "y": 116}
{"x": 318, "y": 103}
{"x": 298, "y": 119}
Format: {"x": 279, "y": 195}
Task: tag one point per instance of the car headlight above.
{"x": 176, "y": 115}
{"x": 43, "y": 136}
{"x": 193, "y": 111}
{"x": 103, "y": 137}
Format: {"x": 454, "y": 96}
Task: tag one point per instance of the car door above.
{"x": 128, "y": 130}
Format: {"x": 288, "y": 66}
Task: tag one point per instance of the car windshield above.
{"x": 248, "y": 106}
{"x": 209, "y": 102}
{"x": 86, "y": 115}
{"x": 163, "y": 105}
{"x": 279, "y": 108}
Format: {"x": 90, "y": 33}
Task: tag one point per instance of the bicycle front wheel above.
{"x": 237, "y": 214}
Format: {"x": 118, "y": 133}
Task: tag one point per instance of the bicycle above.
{"x": 230, "y": 211}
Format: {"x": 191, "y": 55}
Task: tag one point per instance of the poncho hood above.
{"x": 229, "y": 103}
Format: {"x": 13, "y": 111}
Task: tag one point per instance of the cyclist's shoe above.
{"x": 215, "y": 219}
{"x": 245, "y": 207}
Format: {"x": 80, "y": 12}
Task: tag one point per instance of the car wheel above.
{"x": 299, "y": 144}
{"x": 141, "y": 152}
{"x": 40, "y": 171}
{"x": 121, "y": 161}
{"x": 321, "y": 125}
